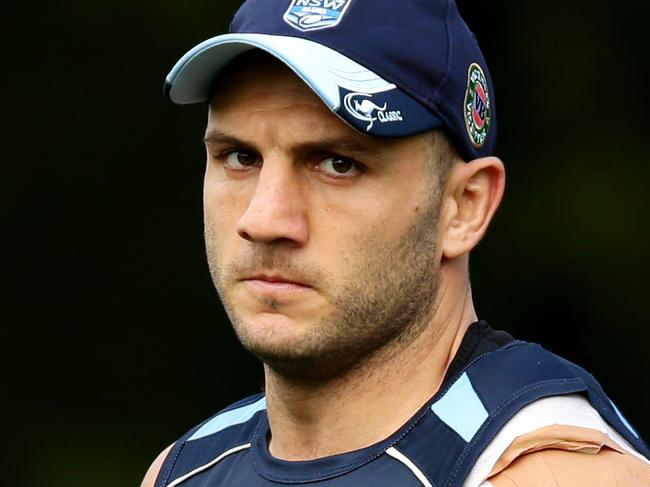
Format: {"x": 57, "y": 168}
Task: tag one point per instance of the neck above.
{"x": 314, "y": 420}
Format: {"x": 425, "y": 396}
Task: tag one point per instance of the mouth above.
{"x": 274, "y": 284}
{"x": 274, "y": 278}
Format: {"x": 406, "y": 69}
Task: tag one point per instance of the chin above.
{"x": 301, "y": 353}
{"x": 290, "y": 348}
{"x": 272, "y": 334}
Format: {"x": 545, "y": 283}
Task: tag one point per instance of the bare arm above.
{"x": 151, "y": 475}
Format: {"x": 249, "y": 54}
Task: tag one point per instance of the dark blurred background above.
{"x": 114, "y": 339}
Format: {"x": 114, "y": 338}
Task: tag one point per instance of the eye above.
{"x": 241, "y": 159}
{"x": 338, "y": 166}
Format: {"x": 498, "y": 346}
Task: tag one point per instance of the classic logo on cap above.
{"x": 360, "y": 106}
{"x": 315, "y": 14}
{"x": 478, "y": 112}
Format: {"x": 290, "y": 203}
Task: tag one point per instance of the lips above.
{"x": 274, "y": 285}
{"x": 274, "y": 279}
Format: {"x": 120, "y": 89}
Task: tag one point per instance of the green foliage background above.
{"x": 114, "y": 340}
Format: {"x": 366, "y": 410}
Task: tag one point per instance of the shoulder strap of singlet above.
{"x": 231, "y": 428}
{"x": 466, "y": 416}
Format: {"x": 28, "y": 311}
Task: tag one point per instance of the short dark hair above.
{"x": 441, "y": 156}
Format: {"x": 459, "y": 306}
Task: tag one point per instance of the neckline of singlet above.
{"x": 479, "y": 339}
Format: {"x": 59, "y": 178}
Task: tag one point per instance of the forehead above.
{"x": 258, "y": 85}
{"x": 258, "y": 95}
{"x": 251, "y": 70}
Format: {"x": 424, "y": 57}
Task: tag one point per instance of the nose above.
{"x": 276, "y": 211}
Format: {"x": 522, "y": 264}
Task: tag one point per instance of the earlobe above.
{"x": 474, "y": 191}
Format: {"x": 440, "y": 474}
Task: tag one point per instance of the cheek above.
{"x": 223, "y": 205}
{"x": 223, "y": 200}
{"x": 345, "y": 235}
{"x": 380, "y": 215}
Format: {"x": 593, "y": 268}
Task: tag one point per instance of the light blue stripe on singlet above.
{"x": 229, "y": 418}
{"x": 624, "y": 421}
{"x": 461, "y": 408}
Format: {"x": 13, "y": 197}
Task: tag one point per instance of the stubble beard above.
{"x": 384, "y": 303}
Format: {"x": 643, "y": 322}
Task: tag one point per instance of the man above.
{"x": 350, "y": 172}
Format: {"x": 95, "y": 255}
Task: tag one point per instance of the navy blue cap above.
{"x": 388, "y": 68}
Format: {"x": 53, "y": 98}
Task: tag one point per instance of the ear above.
{"x": 472, "y": 196}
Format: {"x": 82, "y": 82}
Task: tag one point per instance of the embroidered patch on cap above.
{"x": 315, "y": 14}
{"x": 478, "y": 112}
{"x": 361, "y": 107}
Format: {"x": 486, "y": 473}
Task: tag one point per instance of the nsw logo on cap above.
{"x": 315, "y": 14}
{"x": 477, "y": 109}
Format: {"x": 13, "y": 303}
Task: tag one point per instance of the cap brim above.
{"x": 360, "y": 97}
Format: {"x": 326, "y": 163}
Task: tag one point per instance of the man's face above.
{"x": 321, "y": 242}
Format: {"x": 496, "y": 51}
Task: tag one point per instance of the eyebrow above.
{"x": 334, "y": 144}
{"x": 218, "y": 137}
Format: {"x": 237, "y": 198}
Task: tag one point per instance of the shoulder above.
{"x": 556, "y": 467}
{"x": 564, "y": 455}
{"x": 230, "y": 426}
{"x": 553, "y": 437}
{"x": 152, "y": 473}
